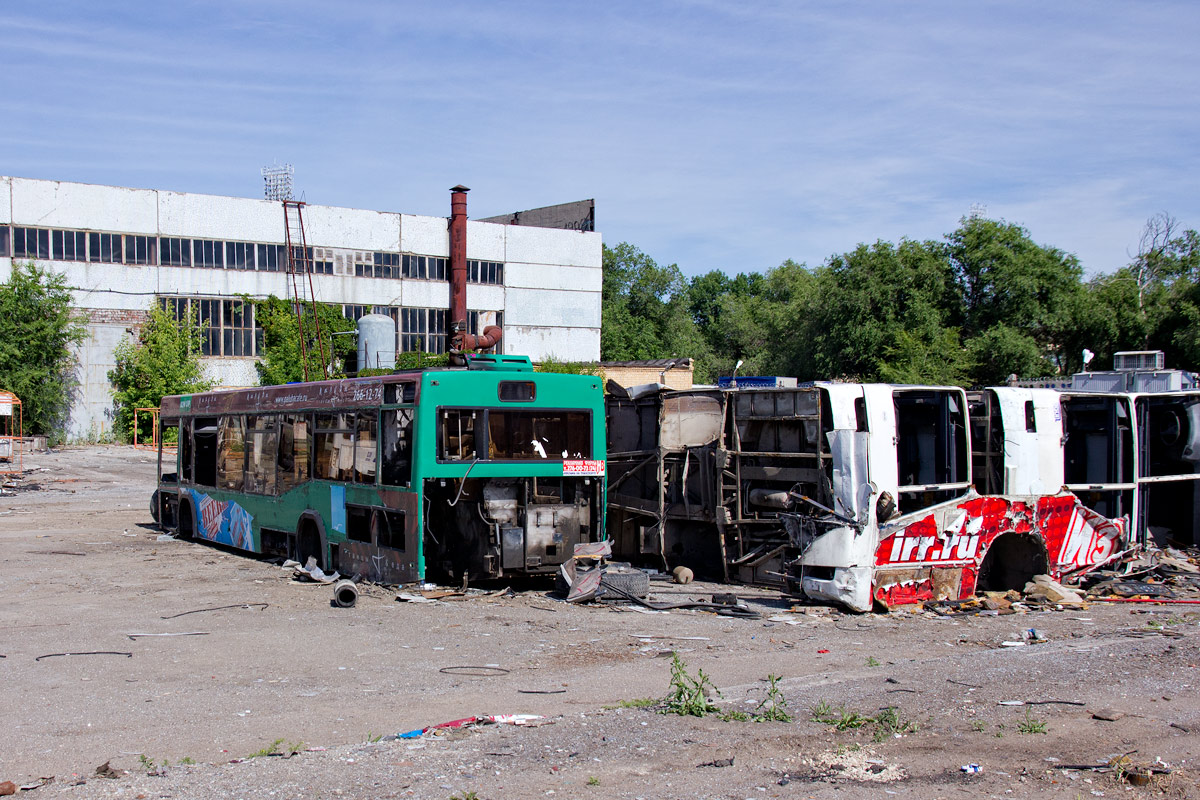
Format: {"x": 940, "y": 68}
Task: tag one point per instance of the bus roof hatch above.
{"x": 500, "y": 363}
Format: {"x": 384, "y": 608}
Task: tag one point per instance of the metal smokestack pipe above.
{"x": 458, "y": 265}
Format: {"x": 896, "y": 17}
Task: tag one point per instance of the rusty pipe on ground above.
{"x": 345, "y": 594}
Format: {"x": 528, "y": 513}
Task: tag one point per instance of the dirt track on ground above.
{"x": 82, "y": 569}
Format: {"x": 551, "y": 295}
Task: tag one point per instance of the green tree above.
{"x": 877, "y": 304}
{"x": 37, "y": 334}
{"x": 163, "y": 360}
{"x": 281, "y": 360}
{"x": 1028, "y": 292}
{"x": 645, "y": 311}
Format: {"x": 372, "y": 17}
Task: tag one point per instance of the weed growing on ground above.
{"x": 465, "y": 796}
{"x": 884, "y": 724}
{"x": 872, "y": 661}
{"x": 593, "y": 780}
{"x": 773, "y": 707}
{"x": 888, "y": 724}
{"x": 688, "y": 696}
{"x": 373, "y": 738}
{"x": 273, "y": 747}
{"x": 1031, "y": 724}
{"x": 187, "y": 760}
{"x": 638, "y": 702}
{"x": 733, "y": 715}
{"x": 276, "y": 749}
{"x": 978, "y": 725}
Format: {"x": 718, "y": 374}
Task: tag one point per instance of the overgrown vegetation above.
{"x": 37, "y": 335}
{"x": 421, "y": 360}
{"x": 163, "y": 359}
{"x": 281, "y": 360}
{"x": 553, "y": 364}
{"x": 984, "y": 302}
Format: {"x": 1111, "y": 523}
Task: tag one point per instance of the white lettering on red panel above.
{"x": 583, "y": 468}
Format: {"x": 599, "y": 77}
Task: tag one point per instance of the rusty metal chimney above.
{"x": 460, "y": 340}
{"x": 458, "y": 264}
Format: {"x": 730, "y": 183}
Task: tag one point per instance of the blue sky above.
{"x": 712, "y": 134}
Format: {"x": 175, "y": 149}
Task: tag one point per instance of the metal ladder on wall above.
{"x": 299, "y": 270}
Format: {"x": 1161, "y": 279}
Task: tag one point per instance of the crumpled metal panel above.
{"x": 921, "y": 559}
{"x": 690, "y": 420}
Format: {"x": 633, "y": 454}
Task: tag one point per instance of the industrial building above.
{"x": 122, "y": 249}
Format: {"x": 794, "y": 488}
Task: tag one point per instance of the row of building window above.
{"x": 115, "y": 248}
{"x": 231, "y": 330}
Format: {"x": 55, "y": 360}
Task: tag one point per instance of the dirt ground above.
{"x": 281, "y": 669}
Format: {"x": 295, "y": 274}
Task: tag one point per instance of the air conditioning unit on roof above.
{"x": 1133, "y": 360}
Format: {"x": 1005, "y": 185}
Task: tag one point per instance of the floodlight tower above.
{"x": 277, "y": 182}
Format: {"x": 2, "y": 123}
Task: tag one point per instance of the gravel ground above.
{"x": 82, "y": 569}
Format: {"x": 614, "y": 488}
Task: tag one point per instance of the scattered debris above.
{"x": 720, "y": 762}
{"x": 408, "y": 597}
{"x": 485, "y": 671}
{"x": 311, "y": 572}
{"x": 181, "y": 633}
{"x": 8, "y": 787}
{"x": 1107, "y": 714}
{"x": 106, "y": 771}
{"x": 971, "y": 769}
{"x": 1043, "y": 587}
{"x": 216, "y": 608}
{"x": 88, "y": 653}
{"x": 471, "y": 722}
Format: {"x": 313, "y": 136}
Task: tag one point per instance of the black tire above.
{"x": 185, "y": 524}
{"x": 155, "y": 512}
{"x": 630, "y": 581}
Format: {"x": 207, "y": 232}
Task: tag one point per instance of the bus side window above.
{"x": 397, "y": 447}
{"x": 204, "y": 445}
{"x": 334, "y": 447}
{"x": 260, "y": 454}
{"x": 293, "y": 451}
{"x": 185, "y": 450}
{"x": 458, "y": 435}
{"x": 231, "y": 452}
{"x": 364, "y": 446}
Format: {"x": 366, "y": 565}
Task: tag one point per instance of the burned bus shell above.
{"x": 1125, "y": 455}
{"x": 855, "y": 494}
{"x": 482, "y": 472}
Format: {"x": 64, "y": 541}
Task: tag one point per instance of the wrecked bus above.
{"x": 1131, "y": 455}
{"x": 855, "y": 494}
{"x": 478, "y": 472}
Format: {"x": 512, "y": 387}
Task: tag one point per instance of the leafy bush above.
{"x": 37, "y": 332}
{"x": 163, "y": 360}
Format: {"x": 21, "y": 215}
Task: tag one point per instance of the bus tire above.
{"x": 155, "y": 512}
{"x": 185, "y": 525}
{"x": 630, "y": 581}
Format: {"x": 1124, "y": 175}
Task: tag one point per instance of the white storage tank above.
{"x": 376, "y": 342}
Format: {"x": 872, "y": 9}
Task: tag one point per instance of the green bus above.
{"x": 477, "y": 472}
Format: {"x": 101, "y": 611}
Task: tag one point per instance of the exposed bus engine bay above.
{"x": 480, "y": 528}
